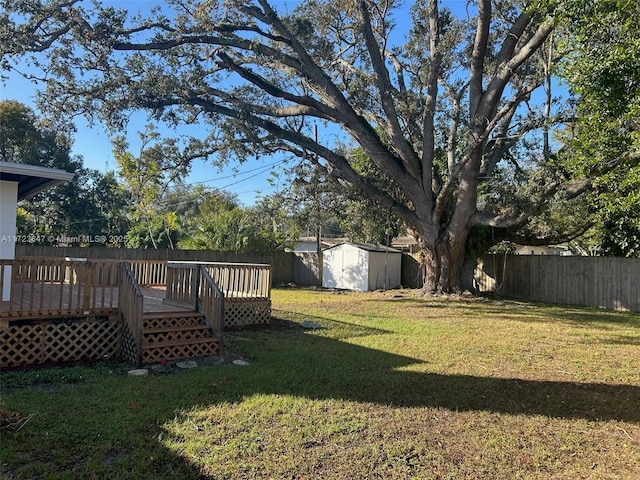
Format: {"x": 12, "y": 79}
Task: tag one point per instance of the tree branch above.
{"x": 564, "y": 237}
{"x": 505, "y": 71}
{"x": 307, "y": 105}
{"x": 478, "y": 56}
{"x": 428, "y": 122}
{"x": 385, "y": 89}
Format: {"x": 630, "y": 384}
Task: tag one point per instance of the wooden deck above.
{"x": 71, "y": 309}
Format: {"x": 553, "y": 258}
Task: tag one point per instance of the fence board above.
{"x": 306, "y": 270}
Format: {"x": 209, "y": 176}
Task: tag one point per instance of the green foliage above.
{"x": 219, "y": 223}
{"x": 276, "y": 222}
{"x": 88, "y": 206}
{"x": 111, "y": 200}
{"x": 602, "y": 66}
{"x": 317, "y": 200}
{"x": 148, "y": 177}
{"x": 59, "y": 375}
{"x": 619, "y": 211}
{"x": 225, "y": 230}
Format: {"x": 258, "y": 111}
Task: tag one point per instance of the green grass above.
{"x": 395, "y": 387}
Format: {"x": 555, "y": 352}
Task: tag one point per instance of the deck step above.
{"x": 170, "y": 314}
{"x": 180, "y": 350}
{"x": 177, "y": 335}
{"x": 177, "y": 343}
{"x": 184, "y": 320}
{"x": 177, "y": 328}
{"x": 185, "y": 335}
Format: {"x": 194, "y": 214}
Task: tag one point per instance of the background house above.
{"x": 361, "y": 267}
{"x": 561, "y": 250}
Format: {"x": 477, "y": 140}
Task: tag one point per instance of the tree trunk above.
{"x": 448, "y": 266}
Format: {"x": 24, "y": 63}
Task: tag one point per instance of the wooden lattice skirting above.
{"x": 180, "y": 351}
{"x": 68, "y": 341}
{"x": 130, "y": 350}
{"x": 239, "y": 312}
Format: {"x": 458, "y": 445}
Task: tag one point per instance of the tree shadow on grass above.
{"x": 316, "y": 366}
{"x": 127, "y": 426}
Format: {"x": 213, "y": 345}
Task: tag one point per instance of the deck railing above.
{"x": 131, "y": 302}
{"x": 190, "y": 285}
{"x": 235, "y": 280}
{"x": 88, "y": 292}
{"x": 182, "y": 284}
{"x": 149, "y": 273}
{"x": 55, "y": 286}
{"x": 241, "y": 280}
{"x": 210, "y": 302}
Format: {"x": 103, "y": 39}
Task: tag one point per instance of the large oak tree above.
{"x": 454, "y": 109}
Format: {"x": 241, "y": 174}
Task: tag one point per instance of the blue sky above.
{"x": 248, "y": 181}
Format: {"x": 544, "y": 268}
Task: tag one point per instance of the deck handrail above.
{"x": 182, "y": 285}
{"x": 131, "y": 303}
{"x": 210, "y": 302}
{"x": 49, "y": 286}
{"x": 190, "y": 285}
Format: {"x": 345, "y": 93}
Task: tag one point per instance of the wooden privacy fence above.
{"x": 282, "y": 263}
{"x": 602, "y": 282}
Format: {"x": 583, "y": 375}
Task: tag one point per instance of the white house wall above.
{"x": 305, "y": 247}
{"x": 8, "y": 202}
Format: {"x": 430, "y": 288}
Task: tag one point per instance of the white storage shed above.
{"x": 361, "y": 267}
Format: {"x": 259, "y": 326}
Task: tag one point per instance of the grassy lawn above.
{"x": 394, "y": 387}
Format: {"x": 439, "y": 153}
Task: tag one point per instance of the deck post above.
{"x": 88, "y": 286}
{"x": 195, "y": 284}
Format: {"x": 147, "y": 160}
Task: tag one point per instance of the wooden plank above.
{"x": 178, "y": 343}
{"x": 179, "y": 328}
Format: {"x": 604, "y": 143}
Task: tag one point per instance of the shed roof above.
{"x": 369, "y": 247}
{"x": 32, "y": 179}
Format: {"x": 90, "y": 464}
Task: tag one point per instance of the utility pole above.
{"x": 318, "y": 221}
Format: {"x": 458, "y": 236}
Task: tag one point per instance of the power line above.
{"x": 233, "y": 175}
